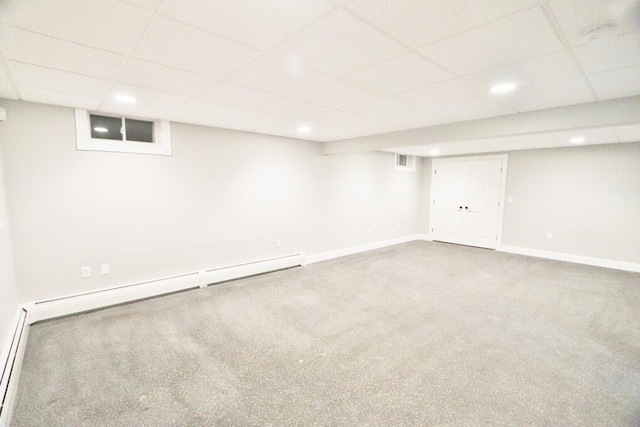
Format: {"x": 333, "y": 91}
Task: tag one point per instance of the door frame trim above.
{"x": 503, "y": 185}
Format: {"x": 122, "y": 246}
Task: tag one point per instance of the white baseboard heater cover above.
{"x": 10, "y": 365}
{"x": 43, "y": 310}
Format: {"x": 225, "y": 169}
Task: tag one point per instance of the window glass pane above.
{"x": 139, "y": 130}
{"x": 402, "y": 160}
{"x": 103, "y": 127}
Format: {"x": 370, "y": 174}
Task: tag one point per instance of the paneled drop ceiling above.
{"x": 342, "y": 68}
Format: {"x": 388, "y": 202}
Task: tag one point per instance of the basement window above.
{"x": 101, "y": 132}
{"x": 405, "y": 163}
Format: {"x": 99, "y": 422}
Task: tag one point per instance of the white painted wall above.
{"x": 8, "y": 289}
{"x": 588, "y": 197}
{"x": 224, "y": 197}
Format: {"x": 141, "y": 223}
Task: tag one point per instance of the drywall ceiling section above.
{"x": 617, "y": 113}
{"x": 342, "y": 68}
{"x": 574, "y": 138}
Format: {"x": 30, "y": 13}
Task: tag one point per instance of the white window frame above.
{"x": 411, "y": 163}
{"x": 161, "y": 144}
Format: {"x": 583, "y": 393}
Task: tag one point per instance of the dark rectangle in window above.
{"x": 402, "y": 160}
{"x": 103, "y": 127}
{"x": 139, "y": 130}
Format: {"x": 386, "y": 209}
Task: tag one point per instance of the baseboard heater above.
{"x": 48, "y": 309}
{"x": 11, "y": 364}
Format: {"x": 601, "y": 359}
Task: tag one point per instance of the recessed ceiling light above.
{"x": 100, "y": 129}
{"x": 435, "y": 152}
{"x": 502, "y": 88}
{"x": 577, "y": 140}
{"x": 304, "y": 129}
{"x": 126, "y": 98}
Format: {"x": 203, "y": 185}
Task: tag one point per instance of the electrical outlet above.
{"x": 278, "y": 243}
{"x": 549, "y": 235}
{"x": 368, "y": 229}
{"x": 86, "y": 272}
{"x": 104, "y": 269}
{"x": 510, "y": 199}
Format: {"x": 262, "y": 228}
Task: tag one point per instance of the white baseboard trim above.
{"x": 578, "y": 259}
{"x": 11, "y": 364}
{"x": 73, "y": 304}
{"x": 325, "y": 256}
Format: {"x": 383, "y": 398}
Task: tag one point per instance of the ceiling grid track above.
{"x": 567, "y": 46}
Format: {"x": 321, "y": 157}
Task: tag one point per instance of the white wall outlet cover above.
{"x": 549, "y": 235}
{"x": 104, "y": 269}
{"x": 3, "y": 114}
{"x": 86, "y": 272}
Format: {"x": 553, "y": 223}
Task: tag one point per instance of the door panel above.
{"x": 480, "y": 225}
{"x": 450, "y": 191}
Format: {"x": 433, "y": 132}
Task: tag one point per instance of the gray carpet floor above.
{"x": 416, "y": 334}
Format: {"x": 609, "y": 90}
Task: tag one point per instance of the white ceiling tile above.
{"x": 4, "y": 76}
{"x": 180, "y": 46}
{"x": 179, "y": 116}
{"x": 475, "y": 109}
{"x": 336, "y": 94}
{"x": 386, "y": 110}
{"x": 146, "y": 4}
{"x": 263, "y": 24}
{"x": 542, "y": 69}
{"x": 617, "y": 84}
{"x": 241, "y": 96}
{"x": 328, "y": 133}
{"x": 6, "y": 91}
{"x": 628, "y": 133}
{"x": 399, "y": 74}
{"x": 103, "y": 24}
{"x": 578, "y": 17}
{"x": 277, "y": 76}
{"x": 147, "y": 97}
{"x": 607, "y": 55}
{"x": 134, "y": 110}
{"x": 262, "y": 118}
{"x": 25, "y": 46}
{"x": 418, "y": 22}
{"x": 518, "y": 37}
{"x": 208, "y": 108}
{"x": 294, "y": 108}
{"x": 343, "y": 119}
{"x": 61, "y": 81}
{"x": 439, "y": 94}
{"x": 337, "y": 45}
{"x": 548, "y": 95}
{"x": 433, "y": 116}
{"x": 160, "y": 77}
{"x": 45, "y": 96}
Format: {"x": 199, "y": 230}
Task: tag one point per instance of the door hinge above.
{"x": 432, "y": 230}
{"x": 434, "y": 201}
{"x": 435, "y": 171}
{"x": 500, "y": 170}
